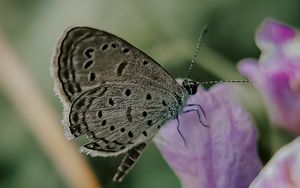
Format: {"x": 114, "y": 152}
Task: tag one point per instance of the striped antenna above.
{"x": 200, "y": 40}
{"x": 201, "y": 36}
{"x": 224, "y": 81}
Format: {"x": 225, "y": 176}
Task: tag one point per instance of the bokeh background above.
{"x": 166, "y": 30}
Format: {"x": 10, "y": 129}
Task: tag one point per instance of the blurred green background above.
{"x": 167, "y": 30}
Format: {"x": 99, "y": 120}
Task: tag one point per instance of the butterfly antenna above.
{"x": 224, "y": 81}
{"x": 201, "y": 36}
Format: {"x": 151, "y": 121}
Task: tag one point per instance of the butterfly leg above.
{"x": 129, "y": 161}
{"x": 181, "y": 135}
{"x": 197, "y": 105}
{"x": 197, "y": 111}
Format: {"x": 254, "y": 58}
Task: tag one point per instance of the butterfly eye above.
{"x": 193, "y": 88}
{"x": 190, "y": 87}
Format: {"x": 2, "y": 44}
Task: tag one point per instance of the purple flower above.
{"x": 283, "y": 170}
{"x": 220, "y": 155}
{"x": 277, "y": 73}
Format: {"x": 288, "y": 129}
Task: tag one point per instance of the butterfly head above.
{"x": 190, "y": 86}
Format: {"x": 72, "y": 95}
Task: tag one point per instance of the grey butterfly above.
{"x": 113, "y": 93}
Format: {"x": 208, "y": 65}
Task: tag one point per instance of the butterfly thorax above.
{"x": 188, "y": 88}
{"x": 177, "y": 108}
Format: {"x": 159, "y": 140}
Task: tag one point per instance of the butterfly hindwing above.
{"x": 115, "y": 120}
{"x": 129, "y": 161}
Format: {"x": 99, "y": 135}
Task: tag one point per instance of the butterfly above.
{"x": 113, "y": 93}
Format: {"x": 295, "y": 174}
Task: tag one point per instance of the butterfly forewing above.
{"x": 87, "y": 57}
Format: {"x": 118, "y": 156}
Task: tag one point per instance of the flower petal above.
{"x": 283, "y": 170}
{"x": 275, "y": 33}
{"x": 249, "y": 68}
{"x": 276, "y": 75}
{"x": 221, "y": 155}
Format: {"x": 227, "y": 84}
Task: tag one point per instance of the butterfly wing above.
{"x": 115, "y": 121}
{"x": 87, "y": 57}
{"x": 112, "y": 92}
{"x": 129, "y": 161}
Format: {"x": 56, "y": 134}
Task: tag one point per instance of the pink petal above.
{"x": 283, "y": 170}
{"x": 276, "y": 75}
{"x": 221, "y": 155}
{"x": 274, "y": 32}
{"x": 249, "y": 68}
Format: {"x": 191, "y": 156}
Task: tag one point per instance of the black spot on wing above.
{"x": 128, "y": 113}
{"x": 121, "y": 68}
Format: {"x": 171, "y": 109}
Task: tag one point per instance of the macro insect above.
{"x": 115, "y": 94}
